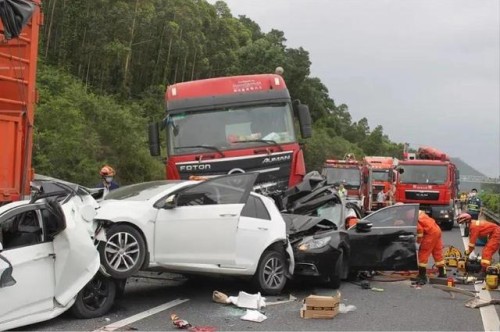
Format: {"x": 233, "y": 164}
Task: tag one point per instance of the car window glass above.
{"x": 331, "y": 211}
{"x": 261, "y": 209}
{"x": 250, "y": 209}
{"x": 51, "y": 224}
{"x": 224, "y": 190}
{"x": 22, "y": 229}
{"x": 396, "y": 215}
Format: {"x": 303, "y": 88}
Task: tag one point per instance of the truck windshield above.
{"x": 380, "y": 175}
{"x": 428, "y": 174}
{"x": 348, "y": 176}
{"x": 230, "y": 128}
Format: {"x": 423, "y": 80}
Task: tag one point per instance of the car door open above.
{"x": 385, "y": 240}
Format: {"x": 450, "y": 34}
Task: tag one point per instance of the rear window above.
{"x": 141, "y": 191}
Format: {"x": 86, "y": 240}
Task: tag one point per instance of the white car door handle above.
{"x": 262, "y": 228}
{"x": 227, "y": 215}
{"x": 406, "y": 237}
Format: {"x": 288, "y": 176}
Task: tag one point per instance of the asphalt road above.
{"x": 399, "y": 307}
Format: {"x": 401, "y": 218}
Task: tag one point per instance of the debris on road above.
{"x": 346, "y": 308}
{"x": 316, "y": 306}
{"x": 479, "y": 303}
{"x": 254, "y": 316}
{"x": 291, "y": 298}
{"x": 243, "y": 300}
{"x": 203, "y": 329}
{"x": 179, "y": 323}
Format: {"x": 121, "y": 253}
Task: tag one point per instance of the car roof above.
{"x": 145, "y": 190}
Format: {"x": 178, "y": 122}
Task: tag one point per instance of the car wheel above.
{"x": 123, "y": 253}
{"x": 96, "y": 298}
{"x": 447, "y": 225}
{"x": 338, "y": 272}
{"x": 270, "y": 277}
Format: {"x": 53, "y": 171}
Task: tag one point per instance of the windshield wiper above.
{"x": 268, "y": 141}
{"x": 208, "y": 147}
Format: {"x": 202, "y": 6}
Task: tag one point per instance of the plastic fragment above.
{"x": 179, "y": 323}
{"x": 254, "y": 316}
{"x": 344, "y": 309}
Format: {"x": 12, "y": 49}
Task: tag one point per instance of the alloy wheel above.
{"x": 122, "y": 251}
{"x": 274, "y": 272}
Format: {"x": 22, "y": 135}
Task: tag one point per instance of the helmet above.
{"x": 464, "y": 217}
{"x": 107, "y": 171}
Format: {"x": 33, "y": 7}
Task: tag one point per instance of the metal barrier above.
{"x": 491, "y": 215}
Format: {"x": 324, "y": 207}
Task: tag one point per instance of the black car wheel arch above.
{"x": 124, "y": 251}
{"x": 96, "y": 298}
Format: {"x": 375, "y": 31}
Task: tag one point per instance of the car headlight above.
{"x": 312, "y": 243}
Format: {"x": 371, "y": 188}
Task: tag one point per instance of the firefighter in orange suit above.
{"x": 482, "y": 228}
{"x": 429, "y": 238}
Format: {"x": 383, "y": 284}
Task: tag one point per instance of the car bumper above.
{"x": 316, "y": 262}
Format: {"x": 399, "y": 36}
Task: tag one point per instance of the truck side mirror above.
{"x": 154, "y": 139}
{"x": 304, "y": 120}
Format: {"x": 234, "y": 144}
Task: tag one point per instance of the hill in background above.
{"x": 466, "y": 169}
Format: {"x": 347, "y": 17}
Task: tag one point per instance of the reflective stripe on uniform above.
{"x": 420, "y": 235}
{"x": 472, "y": 245}
{"x": 422, "y": 264}
{"x": 440, "y": 263}
{"x": 478, "y": 222}
{"x": 485, "y": 261}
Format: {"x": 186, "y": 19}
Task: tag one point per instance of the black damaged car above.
{"x": 326, "y": 248}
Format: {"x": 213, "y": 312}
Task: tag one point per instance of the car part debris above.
{"x": 479, "y": 303}
{"x": 346, "y": 308}
{"x": 249, "y": 301}
{"x": 291, "y": 298}
{"x": 179, "y": 323}
{"x": 220, "y": 297}
{"x": 254, "y": 316}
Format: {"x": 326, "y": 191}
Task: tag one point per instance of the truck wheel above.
{"x": 96, "y": 298}
{"x": 270, "y": 277}
{"x": 123, "y": 253}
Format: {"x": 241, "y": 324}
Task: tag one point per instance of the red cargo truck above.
{"x": 18, "y": 60}
{"x": 379, "y": 174}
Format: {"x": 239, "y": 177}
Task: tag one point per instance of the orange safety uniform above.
{"x": 482, "y": 228}
{"x": 429, "y": 238}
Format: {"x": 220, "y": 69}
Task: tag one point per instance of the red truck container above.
{"x": 379, "y": 174}
{"x": 18, "y": 60}
{"x": 430, "y": 179}
{"x": 232, "y": 125}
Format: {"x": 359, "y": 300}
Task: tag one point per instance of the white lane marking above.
{"x": 124, "y": 322}
{"x": 489, "y": 315}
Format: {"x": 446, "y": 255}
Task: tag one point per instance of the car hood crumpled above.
{"x": 296, "y": 223}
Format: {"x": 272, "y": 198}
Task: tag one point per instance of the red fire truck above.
{"x": 18, "y": 60}
{"x": 346, "y": 171}
{"x": 232, "y": 125}
{"x": 429, "y": 178}
{"x": 379, "y": 174}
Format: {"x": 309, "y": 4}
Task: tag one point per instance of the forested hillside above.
{"x": 105, "y": 64}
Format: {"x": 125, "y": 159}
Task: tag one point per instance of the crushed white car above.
{"x": 215, "y": 227}
{"x": 48, "y": 260}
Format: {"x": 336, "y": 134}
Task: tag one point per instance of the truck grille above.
{"x": 422, "y": 195}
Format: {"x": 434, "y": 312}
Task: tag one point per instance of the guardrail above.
{"x": 491, "y": 215}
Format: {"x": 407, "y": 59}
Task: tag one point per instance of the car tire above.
{"x": 95, "y": 299}
{"x": 123, "y": 253}
{"x": 447, "y": 225}
{"x": 270, "y": 277}
{"x": 335, "y": 278}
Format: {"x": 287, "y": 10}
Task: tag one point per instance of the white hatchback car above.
{"x": 48, "y": 261}
{"x": 216, "y": 227}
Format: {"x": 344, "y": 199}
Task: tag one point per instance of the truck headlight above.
{"x": 312, "y": 243}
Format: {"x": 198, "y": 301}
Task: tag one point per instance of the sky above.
{"x": 427, "y": 71}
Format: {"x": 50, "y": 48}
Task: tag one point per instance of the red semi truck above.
{"x": 18, "y": 60}
{"x": 429, "y": 178}
{"x": 232, "y": 125}
{"x": 379, "y": 174}
{"x": 346, "y": 171}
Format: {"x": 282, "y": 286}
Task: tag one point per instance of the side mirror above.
{"x": 154, "y": 139}
{"x": 170, "y": 202}
{"x": 363, "y": 226}
{"x": 6, "y": 278}
{"x": 304, "y": 120}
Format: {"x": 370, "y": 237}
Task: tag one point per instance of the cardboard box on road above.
{"x": 316, "y": 306}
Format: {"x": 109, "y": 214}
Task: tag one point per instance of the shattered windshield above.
{"x": 348, "y": 176}
{"x": 429, "y": 174}
{"x": 230, "y": 128}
